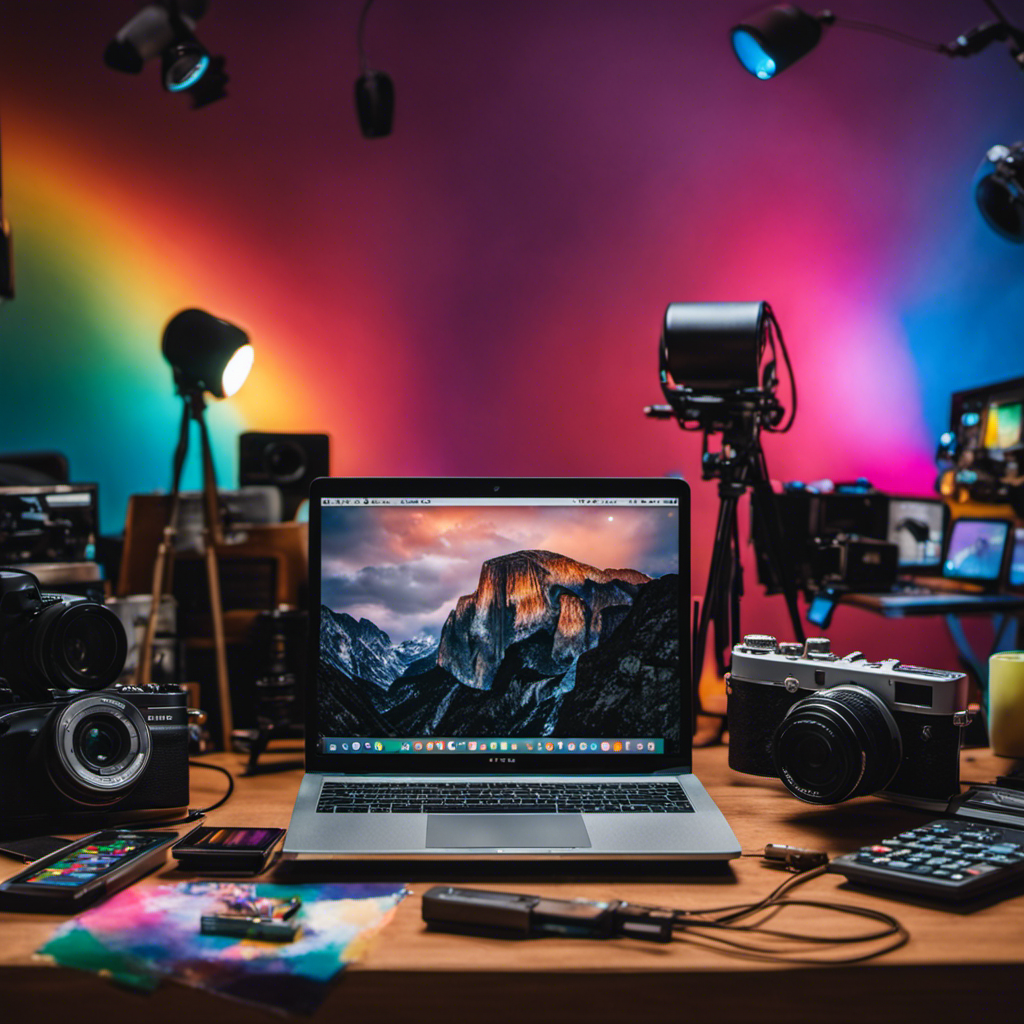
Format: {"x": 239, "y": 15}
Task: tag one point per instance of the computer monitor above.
{"x": 1016, "y": 577}
{"x": 917, "y": 526}
{"x": 1003, "y": 425}
{"x": 975, "y": 550}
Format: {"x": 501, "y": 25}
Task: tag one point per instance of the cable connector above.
{"x": 796, "y": 858}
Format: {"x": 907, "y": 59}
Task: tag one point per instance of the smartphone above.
{"x": 85, "y": 871}
{"x": 213, "y": 850}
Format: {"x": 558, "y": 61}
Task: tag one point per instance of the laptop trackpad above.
{"x": 506, "y": 831}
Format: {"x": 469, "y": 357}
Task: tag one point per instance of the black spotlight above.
{"x": 207, "y": 353}
{"x": 768, "y": 42}
{"x": 167, "y": 30}
{"x": 375, "y": 92}
{"x": 999, "y": 190}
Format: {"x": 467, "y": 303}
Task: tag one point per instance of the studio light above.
{"x": 771, "y": 40}
{"x": 167, "y": 30}
{"x": 375, "y": 92}
{"x": 207, "y": 353}
{"x": 776, "y": 37}
{"x": 999, "y": 190}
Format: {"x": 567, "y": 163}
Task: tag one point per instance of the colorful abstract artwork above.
{"x": 147, "y": 934}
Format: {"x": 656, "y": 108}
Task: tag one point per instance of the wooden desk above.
{"x": 957, "y": 967}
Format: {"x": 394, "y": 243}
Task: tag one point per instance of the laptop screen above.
{"x": 976, "y": 548}
{"x": 513, "y": 626}
{"x": 917, "y": 526}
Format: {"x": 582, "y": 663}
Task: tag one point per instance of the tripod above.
{"x": 194, "y": 408}
{"x": 739, "y": 464}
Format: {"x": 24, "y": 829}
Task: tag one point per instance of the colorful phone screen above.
{"x": 99, "y": 856}
{"x": 208, "y": 838}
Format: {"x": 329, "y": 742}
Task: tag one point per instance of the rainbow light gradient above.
{"x": 481, "y": 293}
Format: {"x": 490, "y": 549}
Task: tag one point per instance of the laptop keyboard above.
{"x": 498, "y": 797}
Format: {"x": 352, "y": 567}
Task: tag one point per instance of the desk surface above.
{"x": 957, "y": 966}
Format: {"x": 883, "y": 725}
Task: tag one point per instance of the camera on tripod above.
{"x": 719, "y": 372}
{"x": 73, "y": 750}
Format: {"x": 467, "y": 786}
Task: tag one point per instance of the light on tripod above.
{"x": 207, "y": 353}
{"x": 769, "y": 41}
{"x": 999, "y": 190}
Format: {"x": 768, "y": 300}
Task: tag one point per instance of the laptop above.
{"x": 500, "y": 669}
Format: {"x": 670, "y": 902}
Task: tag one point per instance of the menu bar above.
{"x": 664, "y": 502}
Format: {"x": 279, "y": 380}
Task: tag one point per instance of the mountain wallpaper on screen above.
{"x": 545, "y": 645}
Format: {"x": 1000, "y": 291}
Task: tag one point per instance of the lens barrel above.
{"x": 77, "y": 645}
{"x": 836, "y": 744}
{"x": 100, "y": 748}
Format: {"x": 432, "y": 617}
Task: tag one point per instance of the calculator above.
{"x": 945, "y": 860}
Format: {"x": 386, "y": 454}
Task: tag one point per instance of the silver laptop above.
{"x": 500, "y": 669}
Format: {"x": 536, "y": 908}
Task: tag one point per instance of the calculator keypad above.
{"x": 946, "y": 859}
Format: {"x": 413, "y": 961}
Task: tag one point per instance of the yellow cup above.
{"x": 1006, "y": 703}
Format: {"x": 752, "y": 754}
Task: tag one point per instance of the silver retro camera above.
{"x": 832, "y": 727}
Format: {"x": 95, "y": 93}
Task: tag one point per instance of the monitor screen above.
{"x": 1003, "y": 425}
{"x": 917, "y": 528}
{"x": 976, "y": 549}
{"x": 1017, "y": 560}
{"x": 465, "y": 625}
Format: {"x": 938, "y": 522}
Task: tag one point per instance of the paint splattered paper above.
{"x": 146, "y": 934}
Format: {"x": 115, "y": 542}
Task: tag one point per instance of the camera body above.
{"x": 87, "y": 759}
{"x": 76, "y": 753}
{"x": 833, "y": 728}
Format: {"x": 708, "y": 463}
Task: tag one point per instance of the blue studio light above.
{"x": 751, "y": 55}
{"x": 192, "y": 76}
{"x": 770, "y": 40}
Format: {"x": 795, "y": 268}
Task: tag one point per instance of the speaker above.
{"x": 289, "y": 462}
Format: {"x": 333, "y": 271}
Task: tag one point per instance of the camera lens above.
{"x": 101, "y": 741}
{"x": 78, "y": 645}
{"x": 101, "y": 746}
{"x": 839, "y": 743}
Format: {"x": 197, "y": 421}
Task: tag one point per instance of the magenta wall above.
{"x": 481, "y": 293}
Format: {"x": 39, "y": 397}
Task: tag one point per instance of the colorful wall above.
{"x": 481, "y": 293}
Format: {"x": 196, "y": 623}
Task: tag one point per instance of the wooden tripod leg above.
{"x": 219, "y": 642}
{"x": 144, "y": 668}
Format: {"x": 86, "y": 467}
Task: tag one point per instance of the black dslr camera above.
{"x": 80, "y": 758}
{"x": 833, "y": 728}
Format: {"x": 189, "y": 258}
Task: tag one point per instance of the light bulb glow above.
{"x": 237, "y": 370}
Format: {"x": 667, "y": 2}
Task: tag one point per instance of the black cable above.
{"x": 194, "y": 814}
{"x": 995, "y": 10}
{"x": 701, "y": 928}
{"x": 223, "y": 771}
{"x": 364, "y": 60}
{"x": 775, "y": 331}
{"x": 891, "y": 33}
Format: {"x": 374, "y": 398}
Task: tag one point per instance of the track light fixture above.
{"x": 167, "y": 30}
{"x": 375, "y": 92}
{"x": 776, "y": 37}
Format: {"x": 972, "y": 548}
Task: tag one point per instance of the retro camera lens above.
{"x": 101, "y": 741}
{"x": 101, "y": 746}
{"x": 78, "y": 645}
{"x": 839, "y": 743}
